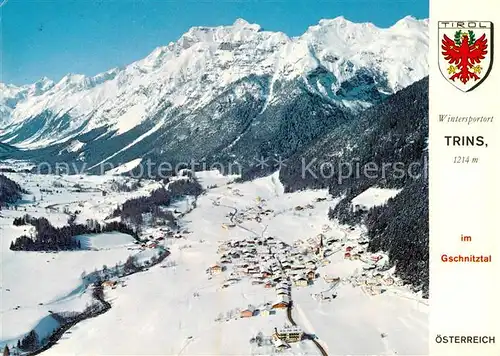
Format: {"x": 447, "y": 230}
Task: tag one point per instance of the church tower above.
{"x": 321, "y": 248}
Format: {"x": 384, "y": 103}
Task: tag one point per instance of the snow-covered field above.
{"x": 34, "y": 284}
{"x": 175, "y": 307}
{"x": 374, "y": 197}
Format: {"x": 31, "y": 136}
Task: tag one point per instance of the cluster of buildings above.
{"x": 265, "y": 310}
{"x": 250, "y": 214}
{"x": 154, "y": 237}
{"x": 271, "y": 263}
{"x": 374, "y": 279}
{"x": 320, "y": 246}
{"x": 267, "y": 262}
{"x": 357, "y": 251}
{"x": 377, "y": 279}
{"x": 152, "y": 243}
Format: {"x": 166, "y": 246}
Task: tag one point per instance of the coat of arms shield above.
{"x": 466, "y": 52}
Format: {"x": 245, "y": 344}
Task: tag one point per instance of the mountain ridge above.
{"x": 210, "y": 71}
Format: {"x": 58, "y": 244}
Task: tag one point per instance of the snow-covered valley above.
{"x": 242, "y": 250}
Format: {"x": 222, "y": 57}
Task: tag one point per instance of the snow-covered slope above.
{"x": 35, "y": 285}
{"x": 350, "y": 66}
{"x": 176, "y": 307}
{"x": 11, "y": 95}
{"x": 180, "y": 309}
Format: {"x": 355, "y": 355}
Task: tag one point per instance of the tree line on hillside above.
{"x": 126, "y": 187}
{"x": 50, "y": 238}
{"x": 182, "y": 187}
{"x": 133, "y": 209}
{"x": 29, "y": 342}
{"x": 10, "y": 191}
{"x": 393, "y": 133}
{"x": 402, "y": 229}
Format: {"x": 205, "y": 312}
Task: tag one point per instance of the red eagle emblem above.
{"x": 464, "y": 54}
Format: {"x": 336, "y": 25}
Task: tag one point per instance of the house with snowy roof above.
{"x": 282, "y": 291}
{"x": 248, "y": 312}
{"x": 215, "y": 269}
{"x": 310, "y": 275}
{"x": 267, "y": 311}
{"x": 283, "y": 284}
{"x": 331, "y": 279}
{"x": 277, "y": 278}
{"x": 268, "y": 284}
{"x": 298, "y": 267}
{"x": 300, "y": 281}
{"x": 282, "y": 302}
{"x": 310, "y": 265}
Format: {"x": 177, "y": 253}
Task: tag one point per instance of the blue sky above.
{"x": 55, "y": 37}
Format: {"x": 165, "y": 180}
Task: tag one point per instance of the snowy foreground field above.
{"x": 177, "y": 307}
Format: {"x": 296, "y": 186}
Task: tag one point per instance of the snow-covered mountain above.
{"x": 11, "y": 95}
{"x": 230, "y": 90}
